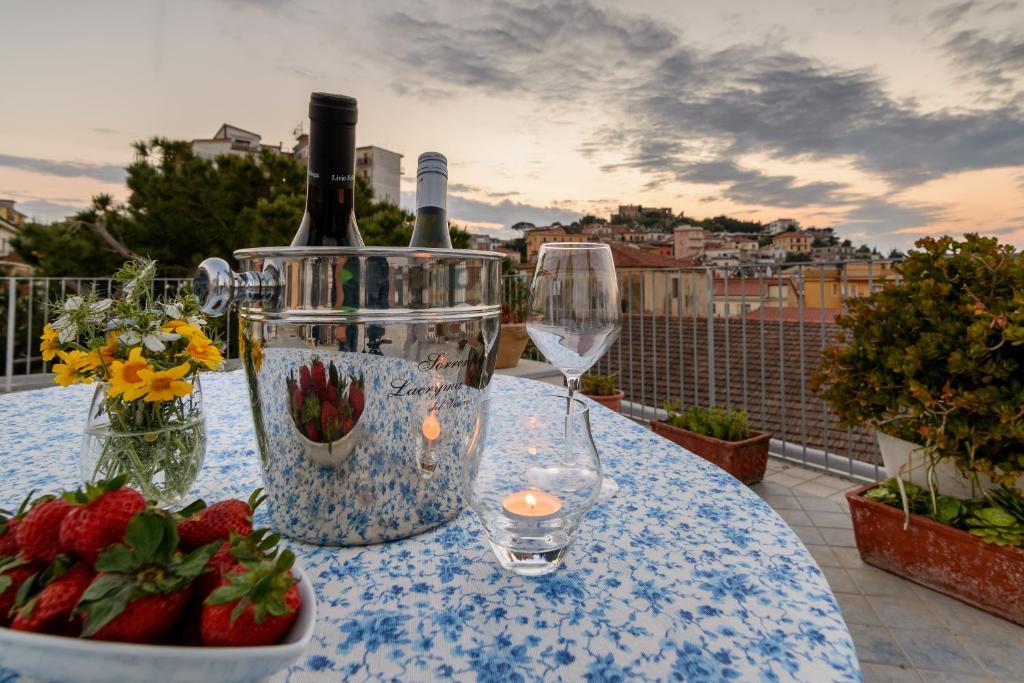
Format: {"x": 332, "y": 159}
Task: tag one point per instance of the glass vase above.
{"x": 532, "y": 482}
{"x": 159, "y": 445}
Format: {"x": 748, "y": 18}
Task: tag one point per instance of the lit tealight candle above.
{"x": 431, "y": 427}
{"x": 533, "y": 506}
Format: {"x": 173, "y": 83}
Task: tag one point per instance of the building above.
{"x": 688, "y": 242}
{"x": 735, "y": 296}
{"x": 798, "y": 242}
{"x": 828, "y": 286}
{"x": 511, "y": 254}
{"x": 633, "y": 236}
{"x": 781, "y": 225}
{"x": 638, "y": 211}
{"x": 383, "y": 168}
{"x": 836, "y": 252}
{"x": 11, "y": 221}
{"x": 654, "y": 283}
{"x": 301, "y": 148}
{"x": 553, "y": 233}
{"x": 657, "y": 247}
{"x": 230, "y": 140}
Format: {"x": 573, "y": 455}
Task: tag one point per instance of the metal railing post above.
{"x": 12, "y": 304}
{"x": 711, "y": 337}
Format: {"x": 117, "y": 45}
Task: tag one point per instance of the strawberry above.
{"x": 146, "y": 619}
{"x": 305, "y": 379}
{"x": 296, "y": 402}
{"x": 52, "y": 610}
{"x": 329, "y": 422}
{"x": 347, "y": 424}
{"x": 144, "y": 583}
{"x": 39, "y": 531}
{"x": 9, "y": 522}
{"x": 331, "y": 395}
{"x": 356, "y": 399}
{"x": 256, "y": 603}
{"x": 100, "y": 517}
{"x": 319, "y": 375}
{"x": 219, "y": 520}
{"x": 313, "y": 432}
{"x": 260, "y": 544}
{"x": 13, "y": 574}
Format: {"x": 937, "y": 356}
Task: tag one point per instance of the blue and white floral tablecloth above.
{"x": 685, "y": 575}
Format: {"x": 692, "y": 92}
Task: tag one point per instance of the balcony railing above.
{"x": 689, "y": 336}
{"x": 749, "y": 341}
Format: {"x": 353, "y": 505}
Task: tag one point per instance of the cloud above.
{"x": 505, "y": 212}
{"x": 676, "y": 113}
{"x": 46, "y": 211}
{"x": 110, "y": 173}
{"x": 996, "y": 61}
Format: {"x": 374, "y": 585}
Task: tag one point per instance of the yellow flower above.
{"x": 183, "y": 328}
{"x": 165, "y": 385}
{"x": 49, "y": 344}
{"x": 125, "y": 376}
{"x": 203, "y": 351}
{"x": 109, "y": 350}
{"x": 257, "y": 355}
{"x": 71, "y": 370}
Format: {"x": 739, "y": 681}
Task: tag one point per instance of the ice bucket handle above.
{"x": 217, "y": 286}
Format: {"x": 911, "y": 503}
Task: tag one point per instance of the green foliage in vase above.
{"x": 937, "y": 358}
{"x": 716, "y": 422}
{"x": 598, "y": 385}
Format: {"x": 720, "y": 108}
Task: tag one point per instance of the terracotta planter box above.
{"x": 613, "y": 402}
{"x": 940, "y": 557}
{"x": 746, "y": 460}
{"x": 512, "y": 341}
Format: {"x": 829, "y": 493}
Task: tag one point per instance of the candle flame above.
{"x": 431, "y": 427}
{"x": 531, "y": 500}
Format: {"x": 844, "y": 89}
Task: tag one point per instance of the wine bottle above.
{"x": 330, "y": 219}
{"x": 431, "y": 228}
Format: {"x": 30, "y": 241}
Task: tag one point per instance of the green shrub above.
{"x": 599, "y": 385}
{"x": 727, "y": 425}
{"x": 938, "y": 358}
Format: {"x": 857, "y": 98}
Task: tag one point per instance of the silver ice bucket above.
{"x": 366, "y": 368}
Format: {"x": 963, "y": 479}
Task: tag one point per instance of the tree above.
{"x": 792, "y": 257}
{"x": 896, "y": 253}
{"x": 183, "y": 208}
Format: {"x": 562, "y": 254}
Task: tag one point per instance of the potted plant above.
{"x": 719, "y": 436}
{"x": 602, "y": 389}
{"x": 935, "y": 363}
{"x": 972, "y": 550}
{"x": 512, "y": 336}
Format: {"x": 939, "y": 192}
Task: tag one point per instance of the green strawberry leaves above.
{"x": 263, "y": 585}
{"x": 147, "y": 563}
{"x": 256, "y": 498}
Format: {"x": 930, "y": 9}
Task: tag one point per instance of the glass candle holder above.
{"x": 534, "y": 479}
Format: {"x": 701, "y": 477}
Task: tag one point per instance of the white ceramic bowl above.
{"x": 59, "y": 660}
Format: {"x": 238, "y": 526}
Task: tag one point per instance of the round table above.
{"x": 684, "y": 575}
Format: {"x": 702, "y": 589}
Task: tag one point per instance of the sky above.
{"x": 887, "y": 119}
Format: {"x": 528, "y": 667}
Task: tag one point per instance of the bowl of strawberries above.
{"x": 326, "y": 407}
{"x": 100, "y": 585}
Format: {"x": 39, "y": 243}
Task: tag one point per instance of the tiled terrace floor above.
{"x": 902, "y": 631}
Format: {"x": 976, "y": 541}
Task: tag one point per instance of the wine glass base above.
{"x": 528, "y": 562}
{"x": 609, "y": 487}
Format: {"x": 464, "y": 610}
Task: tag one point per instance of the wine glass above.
{"x": 574, "y": 314}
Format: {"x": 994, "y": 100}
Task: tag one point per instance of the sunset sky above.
{"x": 884, "y": 118}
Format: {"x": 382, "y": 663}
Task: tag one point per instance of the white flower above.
{"x": 73, "y": 303}
{"x": 68, "y": 333}
{"x": 196, "y": 320}
{"x": 130, "y": 338}
{"x": 172, "y": 311}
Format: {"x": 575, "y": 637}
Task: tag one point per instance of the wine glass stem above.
{"x": 573, "y": 384}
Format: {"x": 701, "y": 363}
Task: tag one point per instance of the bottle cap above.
{"x": 432, "y": 162}
{"x": 330, "y": 108}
